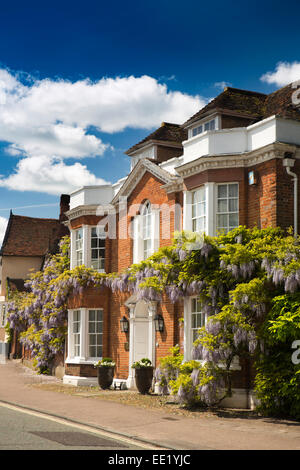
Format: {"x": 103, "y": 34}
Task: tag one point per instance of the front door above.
{"x": 141, "y": 339}
{"x": 142, "y": 336}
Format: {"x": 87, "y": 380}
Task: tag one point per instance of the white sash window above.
{"x": 227, "y": 207}
{"x": 85, "y": 335}
{"x": 97, "y": 247}
{"x": 146, "y": 233}
{"x": 79, "y": 246}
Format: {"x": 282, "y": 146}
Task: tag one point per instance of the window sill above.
{"x": 80, "y": 360}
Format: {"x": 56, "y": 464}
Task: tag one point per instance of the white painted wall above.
{"x": 89, "y": 195}
{"x": 242, "y": 139}
{"x": 149, "y": 152}
{"x": 171, "y": 164}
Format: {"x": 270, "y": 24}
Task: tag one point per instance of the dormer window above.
{"x": 206, "y": 126}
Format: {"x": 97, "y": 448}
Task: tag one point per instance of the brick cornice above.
{"x": 244, "y": 160}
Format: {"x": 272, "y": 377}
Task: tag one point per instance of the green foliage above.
{"x": 9, "y": 333}
{"x": 105, "y": 362}
{"x": 145, "y": 362}
{"x": 277, "y": 381}
{"x": 248, "y": 282}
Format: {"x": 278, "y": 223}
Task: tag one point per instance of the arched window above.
{"x": 147, "y": 230}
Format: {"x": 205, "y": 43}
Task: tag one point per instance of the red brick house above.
{"x": 230, "y": 164}
{"x": 27, "y": 241}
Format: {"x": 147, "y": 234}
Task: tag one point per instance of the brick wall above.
{"x": 119, "y": 256}
{"x": 267, "y": 203}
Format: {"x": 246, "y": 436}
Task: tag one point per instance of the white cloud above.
{"x": 51, "y": 117}
{"x": 222, "y": 84}
{"x": 46, "y": 121}
{"x": 49, "y": 175}
{"x": 3, "y": 224}
{"x": 284, "y": 74}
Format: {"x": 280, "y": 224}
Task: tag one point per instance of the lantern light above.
{"x": 159, "y": 323}
{"x": 124, "y": 325}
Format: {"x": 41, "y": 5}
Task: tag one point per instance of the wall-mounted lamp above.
{"x": 124, "y": 325}
{"x": 159, "y": 323}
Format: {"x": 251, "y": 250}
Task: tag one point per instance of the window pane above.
{"x": 222, "y": 205}
{"x": 92, "y": 339}
{"x": 233, "y": 220}
{"x": 222, "y": 221}
{"x": 94, "y": 243}
{"x": 95, "y": 333}
{"x": 91, "y": 315}
{"x": 212, "y": 125}
{"x": 201, "y": 208}
{"x": 233, "y": 205}
{"x": 99, "y": 315}
{"x": 222, "y": 191}
{"x": 233, "y": 190}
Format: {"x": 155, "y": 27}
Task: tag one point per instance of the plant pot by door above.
{"x": 105, "y": 376}
{"x": 143, "y": 379}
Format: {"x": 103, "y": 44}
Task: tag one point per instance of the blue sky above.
{"x": 83, "y": 81}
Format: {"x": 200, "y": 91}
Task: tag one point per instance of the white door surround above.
{"x": 141, "y": 333}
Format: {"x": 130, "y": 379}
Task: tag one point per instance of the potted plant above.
{"x": 143, "y": 375}
{"x": 105, "y": 372}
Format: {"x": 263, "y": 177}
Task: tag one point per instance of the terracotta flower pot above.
{"x": 143, "y": 379}
{"x": 105, "y": 376}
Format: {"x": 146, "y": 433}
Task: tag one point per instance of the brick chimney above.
{"x": 64, "y": 206}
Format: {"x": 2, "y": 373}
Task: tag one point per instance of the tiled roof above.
{"x": 28, "y": 236}
{"x": 280, "y": 103}
{"x": 167, "y": 132}
{"x": 239, "y": 102}
{"x": 255, "y": 106}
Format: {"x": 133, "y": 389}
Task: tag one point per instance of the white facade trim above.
{"x": 242, "y": 160}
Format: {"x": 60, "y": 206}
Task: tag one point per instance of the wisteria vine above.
{"x": 235, "y": 276}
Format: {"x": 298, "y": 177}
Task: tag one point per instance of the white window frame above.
{"x": 101, "y": 235}
{"x": 76, "y": 335}
{"x": 90, "y": 357}
{"x": 147, "y": 231}
{"x": 226, "y": 213}
{"x": 79, "y": 242}
{"x": 83, "y": 356}
{"x": 195, "y": 208}
{"x": 209, "y": 189}
{"x": 204, "y": 127}
{"x": 153, "y": 216}
{"x": 188, "y": 326}
{"x": 202, "y": 124}
{"x": 3, "y": 315}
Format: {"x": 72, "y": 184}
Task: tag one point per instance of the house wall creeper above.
{"x": 221, "y": 169}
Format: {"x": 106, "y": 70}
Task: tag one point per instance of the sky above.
{"x": 81, "y": 82}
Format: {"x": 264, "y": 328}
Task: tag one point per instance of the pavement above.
{"x": 149, "y": 426}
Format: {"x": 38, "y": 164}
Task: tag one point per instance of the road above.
{"x": 26, "y": 430}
